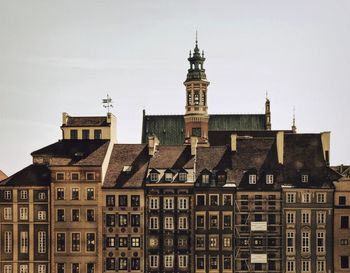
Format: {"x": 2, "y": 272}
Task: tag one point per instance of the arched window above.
{"x": 189, "y": 98}
{"x": 196, "y": 98}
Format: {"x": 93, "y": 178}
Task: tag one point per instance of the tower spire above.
{"x": 267, "y": 113}
{"x": 294, "y": 127}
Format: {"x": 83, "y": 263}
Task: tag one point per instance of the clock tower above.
{"x": 196, "y": 115}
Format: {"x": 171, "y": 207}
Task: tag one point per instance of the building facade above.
{"x": 201, "y": 193}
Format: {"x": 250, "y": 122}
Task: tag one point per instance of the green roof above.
{"x": 170, "y": 128}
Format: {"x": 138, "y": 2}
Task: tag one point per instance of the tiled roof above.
{"x": 86, "y": 122}
{"x": 75, "y": 152}
{"x": 33, "y": 175}
{"x": 134, "y": 155}
{"x": 172, "y": 157}
{"x": 169, "y": 128}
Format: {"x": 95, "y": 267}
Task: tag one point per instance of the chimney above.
{"x": 153, "y": 142}
{"x": 326, "y": 139}
{"x": 64, "y": 118}
{"x": 194, "y": 142}
{"x": 234, "y": 143}
{"x": 280, "y": 146}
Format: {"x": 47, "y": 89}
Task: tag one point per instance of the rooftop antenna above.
{"x": 107, "y": 103}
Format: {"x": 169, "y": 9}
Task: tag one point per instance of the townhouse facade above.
{"x": 201, "y": 193}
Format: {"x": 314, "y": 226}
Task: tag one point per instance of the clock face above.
{"x": 153, "y": 242}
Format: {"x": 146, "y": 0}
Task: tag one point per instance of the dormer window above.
{"x": 269, "y": 179}
{"x": 127, "y": 169}
{"x": 205, "y": 178}
{"x": 154, "y": 177}
{"x": 252, "y": 179}
{"x": 304, "y": 178}
{"x": 168, "y": 177}
{"x": 182, "y": 177}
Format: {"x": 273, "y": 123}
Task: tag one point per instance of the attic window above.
{"x": 59, "y": 176}
{"x": 168, "y": 177}
{"x": 269, "y": 179}
{"x": 222, "y": 178}
{"x": 252, "y": 179}
{"x": 127, "y": 168}
{"x": 182, "y": 177}
{"x": 205, "y": 178}
{"x": 154, "y": 177}
{"x": 304, "y": 178}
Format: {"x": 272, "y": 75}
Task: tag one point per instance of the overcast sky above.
{"x": 58, "y": 56}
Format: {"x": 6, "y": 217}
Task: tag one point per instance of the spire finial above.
{"x": 294, "y": 127}
{"x": 266, "y": 95}
{"x": 196, "y": 37}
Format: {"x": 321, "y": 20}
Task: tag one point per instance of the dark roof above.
{"x": 134, "y": 155}
{"x": 344, "y": 170}
{"x": 172, "y": 157}
{"x": 169, "y": 128}
{"x": 33, "y": 175}
{"x": 86, "y": 122}
{"x": 75, "y": 152}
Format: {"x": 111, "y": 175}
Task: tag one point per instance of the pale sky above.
{"x": 58, "y": 56}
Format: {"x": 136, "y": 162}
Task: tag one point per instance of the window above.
{"x": 153, "y": 242}
{"x": 200, "y": 221}
{"x": 110, "y": 242}
{"x": 227, "y": 241}
{"x": 321, "y": 217}
{"x": 153, "y": 223}
{"x": 86, "y": 134}
{"x": 41, "y": 215}
{"x": 227, "y": 200}
{"x": 227, "y": 221}
{"x": 168, "y": 261}
{"x": 75, "y": 193}
{"x": 306, "y": 197}
{"x": 213, "y": 263}
{"x": 123, "y": 201}
{"x": 59, "y": 176}
{"x": 97, "y": 134}
{"x": 182, "y": 177}
{"x": 344, "y": 221}
{"x": 290, "y": 266}
{"x": 321, "y": 197}
{"x": 135, "y": 241}
{"x": 168, "y": 242}
{"x": 110, "y": 263}
{"x": 344, "y": 262}
{"x": 182, "y": 203}
{"x": 60, "y": 215}
{"x": 135, "y": 263}
{"x": 154, "y": 261}
{"x": 123, "y": 220}
{"x": 213, "y": 241}
{"x": 342, "y": 200}
{"x": 90, "y": 176}
{"x": 7, "y": 213}
{"x": 252, "y": 179}
{"x": 168, "y": 203}
{"x": 41, "y": 242}
{"x": 290, "y": 241}
{"x": 200, "y": 200}
{"x": 75, "y": 268}
{"x": 205, "y": 178}
{"x": 320, "y": 242}
{"x": 135, "y": 200}
{"x": 75, "y": 176}
{"x": 42, "y": 195}
{"x": 61, "y": 242}
{"x": 23, "y": 241}
{"x": 110, "y": 200}
{"x": 291, "y": 197}
{"x": 7, "y": 268}
{"x": 154, "y": 177}
{"x": 269, "y": 179}
{"x": 90, "y": 215}
{"x": 60, "y": 194}
{"x": 321, "y": 266}
{"x": 60, "y": 268}
{"x": 154, "y": 202}
{"x": 24, "y": 194}
{"x": 213, "y": 221}
{"x": 23, "y": 213}
{"x": 75, "y": 215}
{"x": 90, "y": 194}
{"x": 183, "y": 223}
{"x": 271, "y": 219}
{"x": 196, "y": 132}
{"x": 200, "y": 241}
{"x": 306, "y": 217}
{"x": 135, "y": 220}
{"x": 23, "y": 268}
{"x": 214, "y": 200}
{"x": 168, "y": 223}
{"x": 304, "y": 178}
{"x": 75, "y": 242}
{"x": 305, "y": 266}
{"x": 183, "y": 261}
{"x": 344, "y": 242}
{"x": 8, "y": 241}
{"x": 42, "y": 268}
{"x": 73, "y": 134}
{"x": 200, "y": 263}
{"x": 290, "y": 217}
{"x": 90, "y": 268}
{"x": 168, "y": 177}
{"x": 305, "y": 242}
{"x": 123, "y": 242}
{"x": 90, "y": 242}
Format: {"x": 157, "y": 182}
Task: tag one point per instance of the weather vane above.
{"x": 107, "y": 103}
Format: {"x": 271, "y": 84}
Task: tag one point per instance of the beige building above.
{"x": 341, "y": 248}
{"x": 2, "y": 175}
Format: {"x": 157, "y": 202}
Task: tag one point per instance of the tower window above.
{"x": 203, "y": 98}
{"x": 189, "y": 98}
{"x": 196, "y": 98}
{"x": 196, "y": 132}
